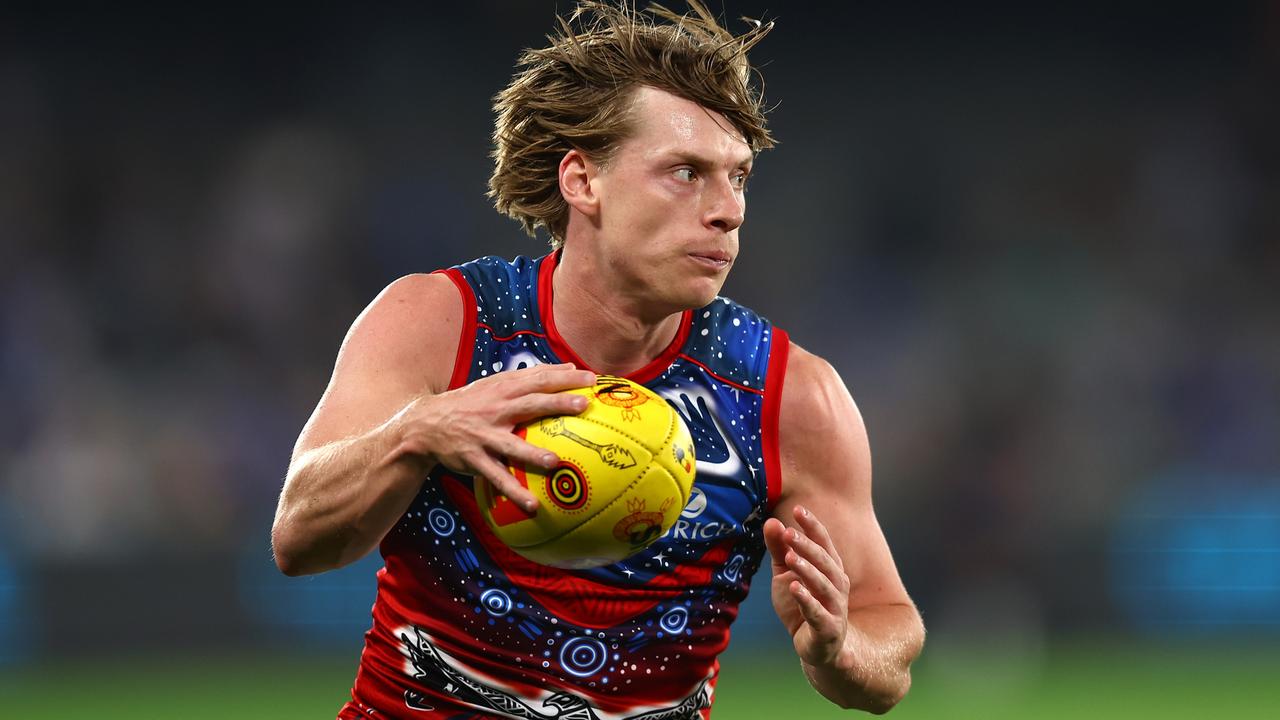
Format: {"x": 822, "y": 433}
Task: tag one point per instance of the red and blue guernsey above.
{"x": 465, "y": 628}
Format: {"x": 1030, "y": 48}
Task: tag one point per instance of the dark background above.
{"x": 1041, "y": 245}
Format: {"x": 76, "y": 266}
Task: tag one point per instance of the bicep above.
{"x": 401, "y": 346}
{"x": 826, "y": 464}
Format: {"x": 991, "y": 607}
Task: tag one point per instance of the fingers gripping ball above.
{"x": 626, "y": 470}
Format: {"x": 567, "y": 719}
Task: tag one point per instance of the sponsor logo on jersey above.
{"x": 697, "y": 503}
{"x": 690, "y": 527}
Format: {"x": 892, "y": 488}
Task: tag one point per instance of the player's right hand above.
{"x": 469, "y": 430}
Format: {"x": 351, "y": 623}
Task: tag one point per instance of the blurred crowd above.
{"x": 1046, "y": 262}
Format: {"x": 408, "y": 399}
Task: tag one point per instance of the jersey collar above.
{"x": 561, "y": 348}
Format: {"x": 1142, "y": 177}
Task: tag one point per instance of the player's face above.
{"x": 671, "y": 201}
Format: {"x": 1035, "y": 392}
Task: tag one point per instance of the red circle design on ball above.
{"x": 566, "y": 487}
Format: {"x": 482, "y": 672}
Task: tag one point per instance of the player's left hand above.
{"x": 810, "y": 586}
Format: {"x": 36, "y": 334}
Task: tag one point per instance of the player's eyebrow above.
{"x": 700, "y": 161}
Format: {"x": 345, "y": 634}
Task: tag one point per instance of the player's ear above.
{"x": 576, "y": 175}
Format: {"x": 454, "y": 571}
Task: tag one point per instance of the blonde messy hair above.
{"x": 577, "y": 93}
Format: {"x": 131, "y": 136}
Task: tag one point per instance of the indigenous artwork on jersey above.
{"x": 463, "y": 623}
{"x": 433, "y": 667}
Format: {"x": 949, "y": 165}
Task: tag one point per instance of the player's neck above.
{"x": 611, "y": 331}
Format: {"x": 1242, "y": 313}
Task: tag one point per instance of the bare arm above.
{"x": 387, "y": 418}
{"x": 835, "y": 586}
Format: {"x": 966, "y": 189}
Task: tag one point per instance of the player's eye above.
{"x": 739, "y": 180}
{"x": 686, "y": 174}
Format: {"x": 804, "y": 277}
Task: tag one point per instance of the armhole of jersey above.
{"x": 467, "y": 338}
{"x": 779, "y": 349}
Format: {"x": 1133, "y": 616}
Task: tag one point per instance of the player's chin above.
{"x": 701, "y": 293}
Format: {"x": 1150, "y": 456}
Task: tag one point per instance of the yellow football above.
{"x": 626, "y": 470}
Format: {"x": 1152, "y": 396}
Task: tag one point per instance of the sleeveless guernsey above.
{"x": 465, "y": 628}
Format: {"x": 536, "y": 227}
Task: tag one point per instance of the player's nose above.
{"x": 726, "y": 207}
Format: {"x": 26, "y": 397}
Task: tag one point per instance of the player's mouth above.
{"x": 712, "y": 259}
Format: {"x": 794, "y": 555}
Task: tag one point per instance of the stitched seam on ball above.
{"x": 637, "y": 478}
{"x": 635, "y": 481}
{"x": 607, "y": 505}
{"x": 620, "y": 431}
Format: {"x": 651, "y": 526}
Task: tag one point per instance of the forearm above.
{"x": 340, "y": 499}
{"x": 873, "y": 671}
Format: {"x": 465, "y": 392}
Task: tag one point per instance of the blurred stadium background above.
{"x": 1042, "y": 245}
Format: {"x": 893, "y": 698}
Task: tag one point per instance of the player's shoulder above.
{"x": 403, "y": 302}
{"x": 809, "y": 368}
{"x": 822, "y": 438}
{"x": 412, "y": 327}
{"x": 814, "y": 397}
